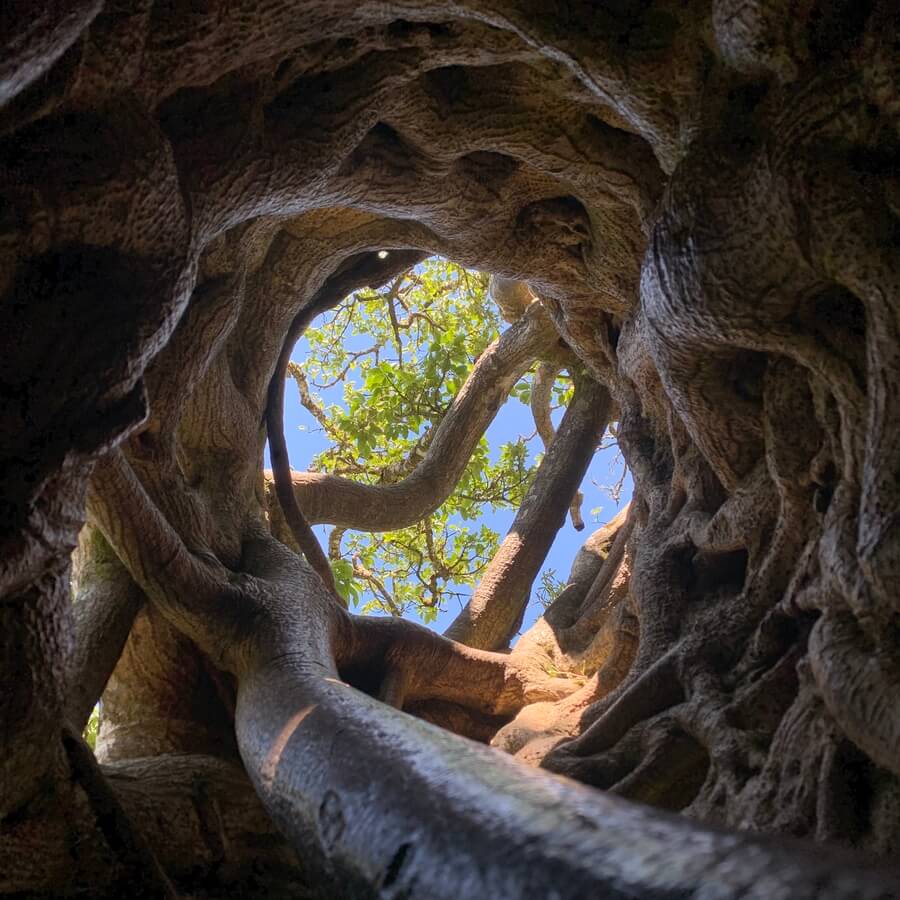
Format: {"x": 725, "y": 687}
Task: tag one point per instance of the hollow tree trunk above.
{"x": 704, "y": 198}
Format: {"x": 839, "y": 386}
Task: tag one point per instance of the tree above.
{"x": 702, "y": 199}
{"x": 400, "y": 356}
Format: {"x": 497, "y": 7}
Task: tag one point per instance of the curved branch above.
{"x": 432, "y": 667}
{"x": 651, "y": 692}
{"x": 578, "y": 616}
{"x": 859, "y": 682}
{"x": 310, "y": 743}
{"x": 541, "y": 395}
{"x": 156, "y": 556}
{"x": 339, "y": 501}
{"x": 492, "y": 616}
{"x": 593, "y": 608}
{"x": 35, "y": 36}
{"x": 106, "y": 604}
{"x": 281, "y": 470}
{"x": 185, "y": 587}
{"x": 365, "y": 270}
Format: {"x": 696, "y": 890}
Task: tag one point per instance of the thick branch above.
{"x": 385, "y": 507}
{"x": 104, "y": 610}
{"x": 281, "y": 469}
{"x": 541, "y": 401}
{"x": 492, "y": 616}
{"x": 592, "y": 610}
{"x": 845, "y": 663}
{"x": 562, "y": 631}
{"x": 185, "y": 587}
{"x": 431, "y": 667}
{"x": 311, "y": 744}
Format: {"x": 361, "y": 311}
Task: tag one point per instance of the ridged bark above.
{"x": 703, "y": 197}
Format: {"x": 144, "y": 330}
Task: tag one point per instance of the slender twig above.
{"x": 352, "y": 358}
{"x": 390, "y": 297}
{"x": 306, "y": 399}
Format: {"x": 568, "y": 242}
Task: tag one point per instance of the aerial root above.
{"x": 655, "y": 690}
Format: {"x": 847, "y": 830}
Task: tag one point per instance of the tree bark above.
{"x": 703, "y": 196}
{"x": 199, "y": 815}
{"x": 292, "y": 705}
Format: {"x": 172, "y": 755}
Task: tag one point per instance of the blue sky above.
{"x": 305, "y": 439}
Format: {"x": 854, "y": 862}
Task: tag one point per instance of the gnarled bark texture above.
{"x": 702, "y": 197}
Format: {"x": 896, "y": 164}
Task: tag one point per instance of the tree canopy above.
{"x": 388, "y": 364}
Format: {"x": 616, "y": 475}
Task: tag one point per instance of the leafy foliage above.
{"x": 398, "y": 357}
{"x": 93, "y": 727}
{"x": 550, "y": 587}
